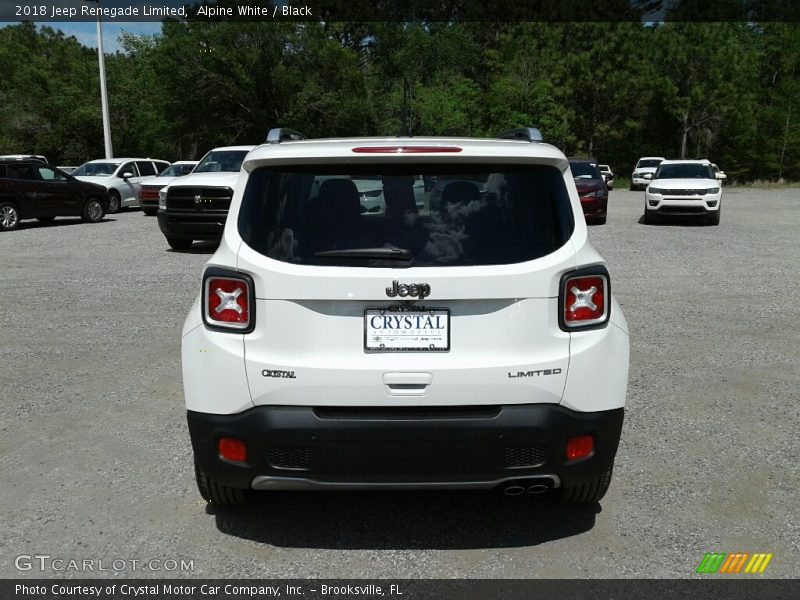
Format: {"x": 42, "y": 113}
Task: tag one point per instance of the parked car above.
{"x": 195, "y": 207}
{"x": 643, "y": 172}
{"x": 25, "y": 157}
{"x": 121, "y": 177}
{"x": 476, "y": 344}
{"x": 608, "y": 176}
{"x": 31, "y": 189}
{"x": 684, "y": 188}
{"x": 592, "y": 189}
{"x": 150, "y": 186}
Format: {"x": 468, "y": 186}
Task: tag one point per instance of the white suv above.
{"x": 121, "y": 177}
{"x": 643, "y": 171}
{"x": 684, "y": 188}
{"x": 470, "y": 344}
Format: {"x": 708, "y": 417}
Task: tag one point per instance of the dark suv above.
{"x": 30, "y": 189}
{"x": 592, "y": 189}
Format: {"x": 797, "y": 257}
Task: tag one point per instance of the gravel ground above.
{"x": 95, "y": 457}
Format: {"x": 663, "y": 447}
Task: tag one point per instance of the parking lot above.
{"x": 96, "y": 463}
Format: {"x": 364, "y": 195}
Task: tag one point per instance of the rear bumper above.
{"x": 594, "y": 207}
{"x": 191, "y": 225}
{"x": 300, "y": 447}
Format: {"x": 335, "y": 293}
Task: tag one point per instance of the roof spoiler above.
{"x": 283, "y": 134}
{"x": 528, "y": 134}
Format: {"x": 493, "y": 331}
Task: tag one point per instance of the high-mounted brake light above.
{"x": 228, "y": 301}
{"x": 584, "y": 299}
{"x": 405, "y": 149}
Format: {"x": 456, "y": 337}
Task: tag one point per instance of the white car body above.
{"x": 307, "y": 352}
{"x": 38, "y": 157}
{"x": 643, "y": 171}
{"x": 149, "y": 187}
{"x": 699, "y": 196}
{"x": 210, "y": 184}
{"x": 608, "y": 176}
{"x": 126, "y": 187}
{"x": 161, "y": 180}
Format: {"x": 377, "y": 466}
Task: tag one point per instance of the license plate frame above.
{"x": 373, "y": 346}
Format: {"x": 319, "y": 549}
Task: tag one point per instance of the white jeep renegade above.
{"x": 466, "y": 339}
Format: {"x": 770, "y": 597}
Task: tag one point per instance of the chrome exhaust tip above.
{"x": 514, "y": 490}
{"x": 539, "y": 488}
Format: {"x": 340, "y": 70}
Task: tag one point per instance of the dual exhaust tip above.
{"x": 519, "y": 488}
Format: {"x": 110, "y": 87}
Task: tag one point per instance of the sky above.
{"x": 86, "y": 32}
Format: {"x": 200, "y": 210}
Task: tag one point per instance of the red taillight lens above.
{"x": 405, "y": 149}
{"x": 228, "y": 302}
{"x": 585, "y": 300}
{"x": 232, "y": 449}
{"x": 579, "y": 447}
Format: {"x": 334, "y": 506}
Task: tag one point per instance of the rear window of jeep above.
{"x": 422, "y": 215}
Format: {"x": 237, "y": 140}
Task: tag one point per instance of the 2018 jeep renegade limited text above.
{"x": 463, "y": 339}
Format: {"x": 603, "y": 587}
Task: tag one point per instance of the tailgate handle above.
{"x": 407, "y": 384}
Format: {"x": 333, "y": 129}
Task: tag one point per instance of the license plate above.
{"x": 419, "y": 331}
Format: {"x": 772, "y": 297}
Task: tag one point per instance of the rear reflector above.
{"x": 584, "y": 300}
{"x": 228, "y": 301}
{"x": 405, "y": 149}
{"x": 579, "y": 447}
{"x": 232, "y": 449}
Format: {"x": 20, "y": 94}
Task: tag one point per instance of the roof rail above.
{"x": 529, "y": 134}
{"x": 283, "y": 134}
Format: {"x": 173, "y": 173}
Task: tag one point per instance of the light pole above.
{"x": 103, "y": 91}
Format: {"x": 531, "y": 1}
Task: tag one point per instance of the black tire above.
{"x": 179, "y": 244}
{"x": 586, "y": 493}
{"x": 45, "y": 219}
{"x": 93, "y": 211}
{"x": 114, "y": 202}
{"x": 217, "y": 493}
{"x": 9, "y": 216}
{"x": 648, "y": 218}
{"x": 602, "y": 220}
{"x": 150, "y": 212}
{"x": 713, "y": 218}
{"x": 633, "y": 188}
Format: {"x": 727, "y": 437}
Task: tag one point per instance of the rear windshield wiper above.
{"x": 379, "y": 253}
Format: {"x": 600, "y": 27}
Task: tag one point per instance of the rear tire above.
{"x": 93, "y": 211}
{"x": 586, "y": 493}
{"x": 114, "y": 202}
{"x": 179, "y": 244}
{"x": 217, "y": 493}
{"x": 602, "y": 220}
{"x": 9, "y": 216}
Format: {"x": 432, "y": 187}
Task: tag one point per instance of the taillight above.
{"x": 585, "y": 299}
{"x": 232, "y": 449}
{"x": 228, "y": 300}
{"x": 579, "y": 447}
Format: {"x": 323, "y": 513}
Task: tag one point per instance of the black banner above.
{"x": 399, "y": 10}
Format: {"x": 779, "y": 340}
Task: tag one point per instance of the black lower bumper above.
{"x": 187, "y": 225}
{"x": 374, "y": 446}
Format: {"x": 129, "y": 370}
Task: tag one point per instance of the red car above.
{"x": 592, "y": 189}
